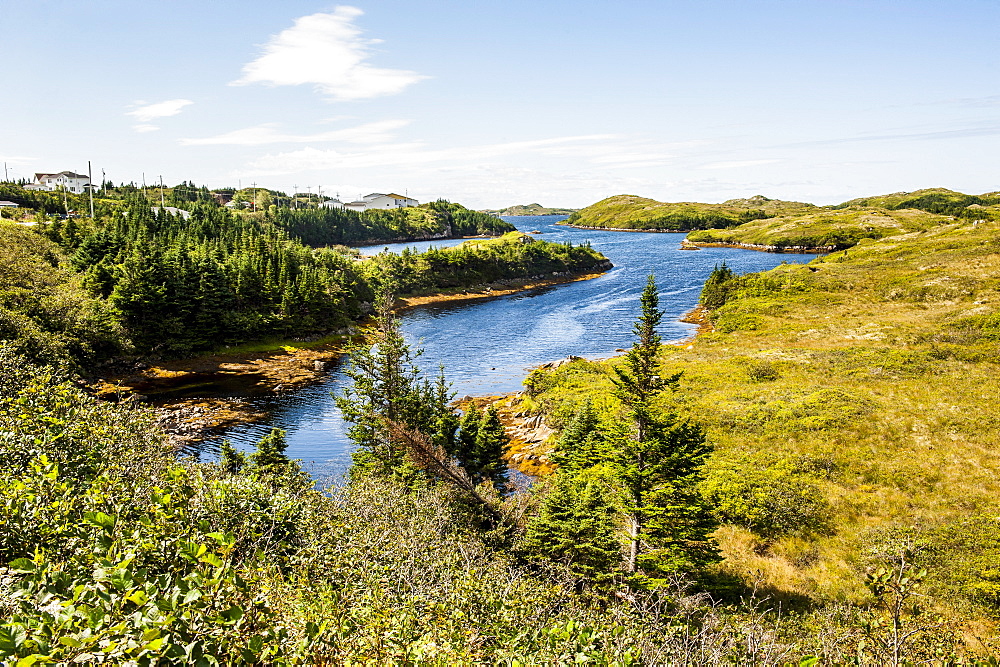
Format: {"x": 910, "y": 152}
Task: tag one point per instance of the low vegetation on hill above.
{"x": 770, "y": 224}
{"x": 531, "y": 209}
{"x": 822, "y": 230}
{"x": 638, "y": 213}
{"x": 848, "y": 404}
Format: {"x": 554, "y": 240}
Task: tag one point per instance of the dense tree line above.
{"x": 169, "y": 284}
{"x": 676, "y": 221}
{"x": 333, "y": 226}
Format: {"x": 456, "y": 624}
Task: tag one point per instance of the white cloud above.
{"x": 327, "y": 50}
{"x": 736, "y": 164}
{"x": 369, "y": 133}
{"x": 150, "y": 112}
{"x": 413, "y": 153}
{"x": 147, "y": 112}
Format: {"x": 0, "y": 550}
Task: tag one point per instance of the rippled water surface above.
{"x": 489, "y": 346}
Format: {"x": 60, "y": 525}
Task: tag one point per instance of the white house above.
{"x": 374, "y": 200}
{"x": 8, "y": 204}
{"x": 391, "y": 200}
{"x": 64, "y": 180}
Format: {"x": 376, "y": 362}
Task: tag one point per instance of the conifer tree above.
{"x": 582, "y": 443}
{"x": 576, "y": 527}
{"x": 385, "y": 389}
{"x": 491, "y": 444}
{"x": 658, "y": 461}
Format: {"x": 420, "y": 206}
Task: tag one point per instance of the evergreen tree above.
{"x": 576, "y": 527}
{"x": 270, "y": 452}
{"x": 582, "y": 443}
{"x": 482, "y": 442}
{"x": 717, "y": 287}
{"x": 491, "y": 445}
{"x": 658, "y": 462}
{"x": 385, "y": 389}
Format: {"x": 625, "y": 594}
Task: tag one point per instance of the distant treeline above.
{"x": 332, "y": 226}
{"x": 152, "y": 282}
{"x": 682, "y": 218}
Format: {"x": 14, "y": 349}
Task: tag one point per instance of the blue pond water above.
{"x": 489, "y": 346}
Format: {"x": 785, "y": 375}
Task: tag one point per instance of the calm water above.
{"x": 488, "y": 347}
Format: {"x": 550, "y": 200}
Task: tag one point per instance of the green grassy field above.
{"x": 852, "y": 398}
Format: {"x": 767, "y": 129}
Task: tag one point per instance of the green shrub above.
{"x": 770, "y": 497}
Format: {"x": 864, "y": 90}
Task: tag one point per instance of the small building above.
{"x": 8, "y": 204}
{"x": 391, "y": 200}
{"x": 332, "y": 203}
{"x": 222, "y": 198}
{"x": 378, "y": 200}
{"x": 172, "y": 210}
{"x": 64, "y": 180}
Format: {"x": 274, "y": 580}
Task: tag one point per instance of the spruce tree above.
{"x": 490, "y": 447}
{"x": 576, "y": 527}
{"x": 658, "y": 461}
{"x": 582, "y": 443}
{"x": 385, "y": 389}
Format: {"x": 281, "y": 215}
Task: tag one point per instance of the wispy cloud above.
{"x": 369, "y": 133}
{"x": 736, "y": 164}
{"x": 328, "y": 51}
{"x": 983, "y": 130}
{"x": 144, "y": 113}
{"x": 412, "y": 153}
{"x": 16, "y": 159}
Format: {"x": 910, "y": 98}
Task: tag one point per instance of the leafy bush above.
{"x": 770, "y": 497}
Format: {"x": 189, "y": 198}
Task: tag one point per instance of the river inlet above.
{"x": 488, "y": 346}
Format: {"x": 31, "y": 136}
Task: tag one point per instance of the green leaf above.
{"x": 23, "y": 565}
{"x": 100, "y": 519}
{"x": 138, "y": 598}
{"x": 211, "y": 559}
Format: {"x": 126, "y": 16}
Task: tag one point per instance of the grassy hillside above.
{"x": 932, "y": 200}
{"x": 822, "y": 229}
{"x": 631, "y": 212}
{"x": 532, "y": 209}
{"x": 851, "y": 402}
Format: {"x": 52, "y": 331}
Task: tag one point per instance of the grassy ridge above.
{"x": 631, "y": 212}
{"x": 871, "y": 374}
{"x": 822, "y": 229}
{"x": 776, "y": 225}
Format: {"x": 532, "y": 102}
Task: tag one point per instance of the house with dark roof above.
{"x": 64, "y": 180}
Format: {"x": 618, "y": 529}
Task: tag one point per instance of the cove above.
{"x": 489, "y": 346}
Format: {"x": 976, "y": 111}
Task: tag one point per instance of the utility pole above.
{"x": 103, "y": 181}
{"x": 253, "y": 195}
{"x": 295, "y": 201}
{"x": 90, "y": 188}
{"x": 162, "y": 206}
{"x": 5, "y": 172}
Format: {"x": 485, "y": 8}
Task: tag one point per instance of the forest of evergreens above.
{"x": 144, "y": 281}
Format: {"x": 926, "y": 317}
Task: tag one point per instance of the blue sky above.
{"x": 498, "y": 103}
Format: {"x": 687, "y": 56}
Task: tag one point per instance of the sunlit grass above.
{"x": 875, "y": 371}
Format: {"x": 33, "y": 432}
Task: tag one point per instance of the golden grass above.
{"x": 875, "y": 381}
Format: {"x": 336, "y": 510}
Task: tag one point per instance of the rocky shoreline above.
{"x": 801, "y": 249}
